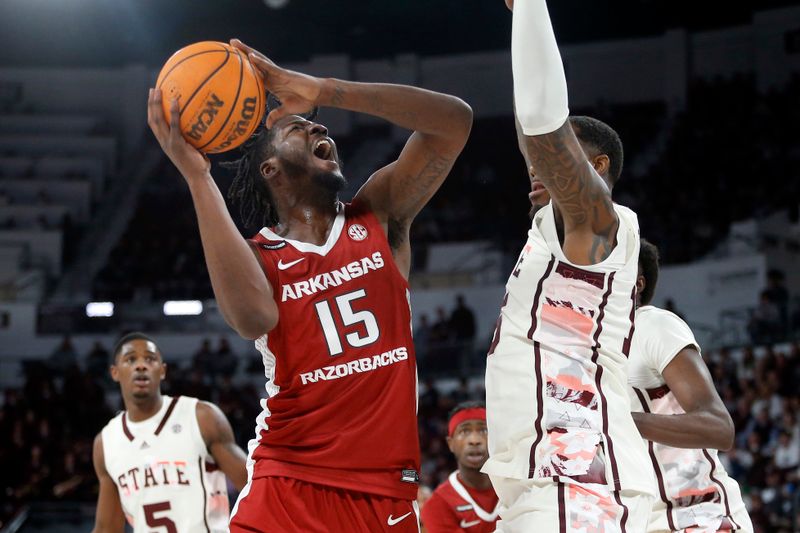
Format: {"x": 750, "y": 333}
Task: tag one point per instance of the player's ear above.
{"x": 601, "y": 164}
{"x": 114, "y": 372}
{"x": 269, "y": 168}
{"x": 450, "y": 443}
{"x": 163, "y": 370}
{"x": 640, "y": 284}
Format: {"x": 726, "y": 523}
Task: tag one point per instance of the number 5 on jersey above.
{"x": 349, "y": 317}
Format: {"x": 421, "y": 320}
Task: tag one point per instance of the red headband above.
{"x": 473, "y": 413}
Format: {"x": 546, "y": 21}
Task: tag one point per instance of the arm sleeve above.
{"x": 540, "y": 86}
{"x": 666, "y": 335}
{"x": 437, "y": 517}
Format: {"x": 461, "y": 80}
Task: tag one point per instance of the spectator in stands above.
{"x": 63, "y": 357}
{"x": 462, "y": 321}
{"x": 203, "y": 362}
{"x": 225, "y": 361}
{"x": 777, "y": 293}
{"x": 787, "y": 453}
{"x": 765, "y": 322}
{"x": 97, "y": 361}
{"x": 422, "y": 335}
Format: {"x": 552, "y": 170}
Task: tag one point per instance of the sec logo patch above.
{"x": 357, "y": 232}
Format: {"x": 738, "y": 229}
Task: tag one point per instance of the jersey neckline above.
{"x": 165, "y": 412}
{"x": 307, "y": 247}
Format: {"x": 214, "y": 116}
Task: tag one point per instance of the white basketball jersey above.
{"x": 166, "y": 479}
{"x": 556, "y": 381}
{"x": 694, "y": 489}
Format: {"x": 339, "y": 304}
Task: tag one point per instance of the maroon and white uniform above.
{"x": 695, "y": 493}
{"x": 455, "y": 507}
{"x": 340, "y": 365}
{"x": 166, "y": 479}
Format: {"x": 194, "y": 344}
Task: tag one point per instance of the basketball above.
{"x": 221, "y": 97}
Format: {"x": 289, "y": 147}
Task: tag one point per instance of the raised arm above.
{"x": 240, "y": 286}
{"x": 218, "y": 436}
{"x": 109, "y": 517}
{"x": 549, "y": 145}
{"x": 440, "y": 123}
{"x": 706, "y": 423}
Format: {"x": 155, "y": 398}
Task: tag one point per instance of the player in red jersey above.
{"x": 323, "y": 288}
{"x": 466, "y": 501}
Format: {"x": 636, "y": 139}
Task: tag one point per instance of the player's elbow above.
{"x": 252, "y": 325}
{"x": 462, "y": 118}
{"x": 726, "y": 432}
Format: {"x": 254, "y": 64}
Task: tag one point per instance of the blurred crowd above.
{"x": 671, "y": 160}
{"x": 49, "y": 421}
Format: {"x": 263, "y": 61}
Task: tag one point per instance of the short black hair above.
{"x": 470, "y": 404}
{"x": 603, "y": 139}
{"x": 133, "y": 336}
{"x": 648, "y": 260}
{"x": 249, "y": 189}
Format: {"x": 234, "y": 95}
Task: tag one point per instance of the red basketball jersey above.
{"x": 455, "y": 507}
{"x": 340, "y": 365}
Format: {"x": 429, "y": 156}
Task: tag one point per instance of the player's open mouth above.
{"x": 323, "y": 149}
{"x": 141, "y": 380}
{"x": 476, "y": 456}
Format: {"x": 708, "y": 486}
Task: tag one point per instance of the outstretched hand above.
{"x": 189, "y": 160}
{"x": 299, "y": 93}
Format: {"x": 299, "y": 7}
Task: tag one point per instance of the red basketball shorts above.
{"x": 285, "y": 505}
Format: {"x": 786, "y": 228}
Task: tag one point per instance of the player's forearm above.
{"x": 540, "y": 86}
{"x": 240, "y": 286}
{"x": 412, "y": 108}
{"x": 702, "y": 429}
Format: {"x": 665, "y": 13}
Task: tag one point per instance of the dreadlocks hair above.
{"x": 134, "y": 336}
{"x": 602, "y": 138}
{"x": 648, "y": 260}
{"x": 249, "y": 189}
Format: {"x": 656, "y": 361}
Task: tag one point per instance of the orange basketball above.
{"x": 221, "y": 97}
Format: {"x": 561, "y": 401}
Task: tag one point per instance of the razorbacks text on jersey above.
{"x": 455, "y": 507}
{"x": 164, "y": 474}
{"x": 340, "y": 364}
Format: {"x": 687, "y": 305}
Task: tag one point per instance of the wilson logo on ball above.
{"x": 247, "y": 114}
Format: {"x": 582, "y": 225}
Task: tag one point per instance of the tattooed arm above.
{"x": 547, "y": 141}
{"x": 582, "y": 198}
{"x": 440, "y": 124}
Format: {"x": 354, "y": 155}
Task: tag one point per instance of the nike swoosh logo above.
{"x": 465, "y": 525}
{"x": 284, "y": 266}
{"x": 392, "y": 521}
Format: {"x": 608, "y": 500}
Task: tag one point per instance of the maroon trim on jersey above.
{"x": 498, "y": 324}
{"x": 562, "y": 509}
{"x": 205, "y": 496}
{"x": 604, "y": 410}
{"x": 125, "y": 429}
{"x": 210, "y": 467}
{"x": 626, "y": 345}
{"x": 537, "y": 362}
{"x": 662, "y": 490}
{"x": 601, "y": 312}
{"x": 166, "y": 415}
{"x": 624, "y": 520}
{"x": 572, "y": 272}
{"x": 658, "y": 392}
{"x": 535, "y": 306}
{"x": 724, "y": 492}
{"x": 537, "y": 365}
